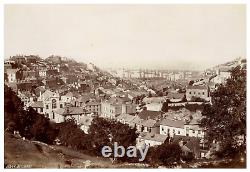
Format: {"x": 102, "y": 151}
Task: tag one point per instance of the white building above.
{"x": 62, "y": 114}
{"x": 194, "y": 131}
{"x": 154, "y": 106}
{"x": 150, "y": 139}
{"x": 42, "y": 73}
{"x": 172, "y": 127}
{"x": 12, "y": 75}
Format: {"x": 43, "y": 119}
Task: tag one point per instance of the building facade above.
{"x": 197, "y": 91}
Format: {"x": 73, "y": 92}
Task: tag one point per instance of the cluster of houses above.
{"x": 153, "y": 125}
{"x": 87, "y": 94}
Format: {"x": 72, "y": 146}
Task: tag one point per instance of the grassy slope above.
{"x": 27, "y": 154}
{"x": 20, "y": 153}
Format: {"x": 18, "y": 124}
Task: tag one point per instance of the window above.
{"x": 61, "y": 106}
{"x": 142, "y": 128}
{"x": 179, "y": 132}
{"x": 190, "y": 92}
{"x": 162, "y": 129}
{"x": 203, "y": 93}
{"x": 193, "y": 131}
{"x": 47, "y": 106}
{"x": 54, "y": 104}
{"x": 41, "y": 109}
{"x": 199, "y": 131}
{"x": 53, "y": 115}
{"x": 173, "y": 131}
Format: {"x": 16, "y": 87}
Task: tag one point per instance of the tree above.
{"x": 105, "y": 132}
{"x": 13, "y": 110}
{"x": 159, "y": 93}
{"x": 29, "y": 123}
{"x": 70, "y": 134}
{"x": 19, "y": 75}
{"x": 169, "y": 153}
{"x": 188, "y": 157}
{"x": 184, "y": 99}
{"x": 165, "y": 106}
{"x": 191, "y": 83}
{"x": 166, "y": 154}
{"x": 99, "y": 132}
{"x": 225, "y": 119}
{"x": 42, "y": 129}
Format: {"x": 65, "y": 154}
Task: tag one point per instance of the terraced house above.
{"x": 172, "y": 127}
{"x": 116, "y": 106}
{"x": 197, "y": 91}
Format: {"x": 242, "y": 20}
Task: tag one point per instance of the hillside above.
{"x": 20, "y": 153}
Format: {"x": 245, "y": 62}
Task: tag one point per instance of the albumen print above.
{"x": 124, "y": 86}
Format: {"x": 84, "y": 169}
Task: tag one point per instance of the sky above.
{"x": 130, "y": 36}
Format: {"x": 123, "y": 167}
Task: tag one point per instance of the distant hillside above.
{"x": 59, "y": 59}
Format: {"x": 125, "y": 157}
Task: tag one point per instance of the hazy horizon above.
{"x": 131, "y": 36}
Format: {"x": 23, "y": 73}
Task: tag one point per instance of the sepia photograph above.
{"x": 133, "y": 86}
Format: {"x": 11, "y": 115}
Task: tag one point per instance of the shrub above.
{"x": 165, "y": 154}
{"x": 70, "y": 134}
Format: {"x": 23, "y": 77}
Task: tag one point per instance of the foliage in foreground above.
{"x": 225, "y": 119}
{"x": 29, "y": 123}
{"x": 167, "y": 154}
